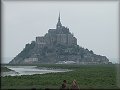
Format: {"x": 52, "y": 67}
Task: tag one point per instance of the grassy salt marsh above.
{"x": 87, "y": 76}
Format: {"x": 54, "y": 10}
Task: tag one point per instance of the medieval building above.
{"x": 57, "y": 46}
{"x": 60, "y": 35}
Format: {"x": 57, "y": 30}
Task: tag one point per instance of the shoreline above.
{"x": 88, "y": 77}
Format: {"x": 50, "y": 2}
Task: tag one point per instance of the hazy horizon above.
{"x": 94, "y": 24}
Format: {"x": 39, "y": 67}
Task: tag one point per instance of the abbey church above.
{"x": 60, "y": 35}
{"x": 58, "y": 46}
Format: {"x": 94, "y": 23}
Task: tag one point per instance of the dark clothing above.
{"x": 64, "y": 87}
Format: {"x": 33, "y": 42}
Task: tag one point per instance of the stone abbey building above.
{"x": 60, "y": 35}
{"x": 57, "y": 46}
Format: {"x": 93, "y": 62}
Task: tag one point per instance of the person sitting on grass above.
{"x": 64, "y": 85}
{"x": 74, "y": 86}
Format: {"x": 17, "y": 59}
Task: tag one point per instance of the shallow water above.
{"x": 30, "y": 70}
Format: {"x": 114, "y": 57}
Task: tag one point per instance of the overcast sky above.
{"x": 94, "y": 24}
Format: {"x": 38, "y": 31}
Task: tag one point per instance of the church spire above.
{"x": 59, "y": 17}
{"x": 59, "y": 23}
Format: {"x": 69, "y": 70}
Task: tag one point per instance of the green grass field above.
{"x": 87, "y": 76}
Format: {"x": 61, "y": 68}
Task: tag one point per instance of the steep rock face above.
{"x": 57, "y": 45}
{"x": 25, "y": 53}
{"x": 32, "y": 54}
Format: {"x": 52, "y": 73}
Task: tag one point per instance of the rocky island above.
{"x": 58, "y": 46}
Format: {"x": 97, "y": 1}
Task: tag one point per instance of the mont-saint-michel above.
{"x": 58, "y": 46}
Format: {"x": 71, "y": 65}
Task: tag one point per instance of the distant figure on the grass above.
{"x": 74, "y": 86}
{"x": 64, "y": 85}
